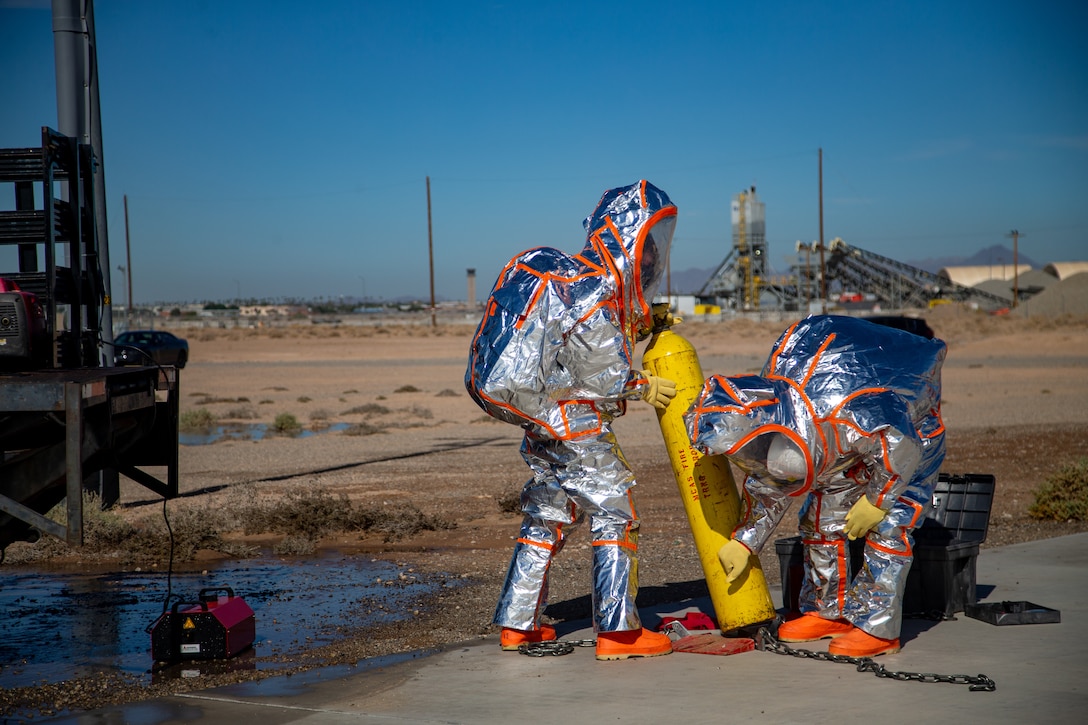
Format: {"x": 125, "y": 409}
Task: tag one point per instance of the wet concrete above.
{"x": 61, "y": 625}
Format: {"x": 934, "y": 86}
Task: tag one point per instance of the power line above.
{"x": 1015, "y": 234}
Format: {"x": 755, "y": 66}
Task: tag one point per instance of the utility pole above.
{"x": 805, "y": 279}
{"x": 1015, "y": 234}
{"x": 430, "y": 250}
{"x": 128, "y": 270}
{"x": 823, "y": 270}
{"x": 121, "y": 268}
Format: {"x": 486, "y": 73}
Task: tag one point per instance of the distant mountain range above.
{"x": 996, "y": 254}
{"x": 689, "y": 281}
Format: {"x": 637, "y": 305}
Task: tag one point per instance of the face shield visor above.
{"x": 654, "y": 256}
{"x": 776, "y": 458}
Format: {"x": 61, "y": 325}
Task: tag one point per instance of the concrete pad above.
{"x": 1041, "y": 673}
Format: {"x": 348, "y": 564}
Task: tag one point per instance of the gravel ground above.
{"x": 1016, "y": 406}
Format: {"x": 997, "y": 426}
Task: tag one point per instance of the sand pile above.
{"x": 1067, "y": 297}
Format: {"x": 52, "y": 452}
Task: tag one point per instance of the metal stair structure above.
{"x": 896, "y": 284}
{"x": 62, "y": 230}
{"x": 742, "y": 275}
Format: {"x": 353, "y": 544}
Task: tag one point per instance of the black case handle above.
{"x": 204, "y": 593}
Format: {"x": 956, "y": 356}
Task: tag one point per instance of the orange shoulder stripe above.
{"x": 816, "y": 359}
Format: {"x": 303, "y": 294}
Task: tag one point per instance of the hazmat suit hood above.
{"x": 631, "y": 232}
{"x": 763, "y": 425}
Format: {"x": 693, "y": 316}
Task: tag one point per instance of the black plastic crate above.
{"x": 941, "y": 581}
{"x": 960, "y": 510}
{"x": 942, "y": 578}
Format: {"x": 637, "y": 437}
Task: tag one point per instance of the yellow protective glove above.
{"x": 659, "y": 391}
{"x": 862, "y": 518}
{"x": 734, "y": 557}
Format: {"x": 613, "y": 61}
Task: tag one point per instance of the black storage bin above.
{"x": 791, "y": 567}
{"x": 960, "y": 510}
{"x": 941, "y": 580}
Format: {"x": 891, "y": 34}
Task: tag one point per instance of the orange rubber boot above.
{"x": 632, "y": 643}
{"x": 511, "y": 639}
{"x": 810, "y": 627}
{"x": 862, "y": 644}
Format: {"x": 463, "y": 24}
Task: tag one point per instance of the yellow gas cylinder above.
{"x": 706, "y": 483}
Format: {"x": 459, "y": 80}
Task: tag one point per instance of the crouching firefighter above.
{"x": 553, "y": 354}
{"x": 846, "y": 414}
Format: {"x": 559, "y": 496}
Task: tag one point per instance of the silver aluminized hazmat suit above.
{"x": 554, "y": 354}
{"x": 843, "y": 408}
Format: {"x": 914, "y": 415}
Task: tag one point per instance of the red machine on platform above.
{"x": 23, "y": 333}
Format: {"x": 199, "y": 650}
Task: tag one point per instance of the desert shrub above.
{"x": 367, "y": 409}
{"x": 418, "y": 411}
{"x": 1064, "y": 494}
{"x": 447, "y": 393}
{"x": 319, "y": 414}
{"x": 192, "y": 529}
{"x": 304, "y": 512}
{"x": 304, "y": 398}
{"x": 407, "y": 389}
{"x": 198, "y": 419}
{"x": 397, "y": 523}
{"x": 509, "y": 500}
{"x": 485, "y": 419}
{"x": 294, "y": 546}
{"x": 286, "y": 423}
{"x": 244, "y": 413}
{"x": 103, "y": 528}
{"x": 362, "y": 429}
{"x": 106, "y": 535}
{"x": 307, "y": 514}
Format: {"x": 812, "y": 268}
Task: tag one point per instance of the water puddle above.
{"x": 60, "y": 626}
{"x": 247, "y": 432}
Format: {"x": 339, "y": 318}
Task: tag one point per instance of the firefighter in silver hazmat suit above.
{"x": 845, "y": 413}
{"x": 553, "y": 354}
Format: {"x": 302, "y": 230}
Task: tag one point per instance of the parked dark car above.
{"x": 901, "y": 322}
{"x": 150, "y": 347}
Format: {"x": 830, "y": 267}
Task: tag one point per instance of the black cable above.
{"x": 145, "y": 353}
{"x": 170, "y": 566}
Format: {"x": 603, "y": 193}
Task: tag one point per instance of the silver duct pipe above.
{"x": 79, "y": 116}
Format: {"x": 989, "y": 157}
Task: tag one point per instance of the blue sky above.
{"x": 280, "y": 149}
